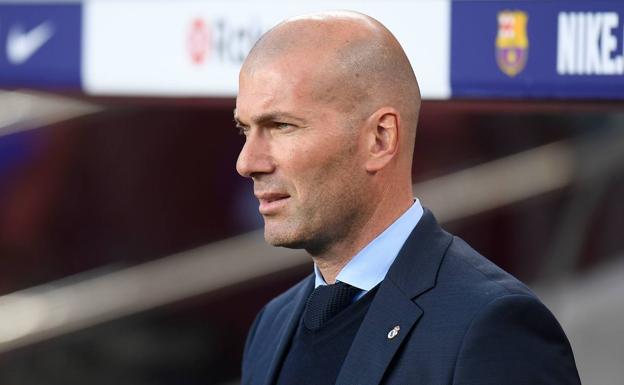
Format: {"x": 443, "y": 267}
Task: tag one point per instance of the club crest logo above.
{"x": 512, "y": 44}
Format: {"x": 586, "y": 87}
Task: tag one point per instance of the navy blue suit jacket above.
{"x": 462, "y": 320}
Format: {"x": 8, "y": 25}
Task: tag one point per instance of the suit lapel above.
{"x": 413, "y": 272}
{"x": 292, "y": 314}
{"x": 373, "y": 346}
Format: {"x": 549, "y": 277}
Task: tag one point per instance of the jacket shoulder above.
{"x": 476, "y": 275}
{"x": 482, "y": 325}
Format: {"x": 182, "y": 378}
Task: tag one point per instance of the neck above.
{"x": 331, "y": 260}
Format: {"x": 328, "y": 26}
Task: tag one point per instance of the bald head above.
{"x": 328, "y": 104}
{"x": 358, "y": 66}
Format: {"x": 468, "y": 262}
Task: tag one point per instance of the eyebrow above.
{"x": 269, "y": 117}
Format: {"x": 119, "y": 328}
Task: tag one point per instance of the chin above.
{"x": 281, "y": 240}
{"x": 296, "y": 240}
{"x": 282, "y": 236}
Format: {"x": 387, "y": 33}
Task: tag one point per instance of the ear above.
{"x": 382, "y": 138}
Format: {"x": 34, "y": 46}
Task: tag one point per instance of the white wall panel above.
{"x": 142, "y": 48}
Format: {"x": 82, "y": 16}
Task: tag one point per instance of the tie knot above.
{"x": 325, "y": 302}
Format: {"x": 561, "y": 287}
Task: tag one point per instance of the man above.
{"x": 328, "y": 104}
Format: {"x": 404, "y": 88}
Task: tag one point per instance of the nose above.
{"x": 255, "y": 156}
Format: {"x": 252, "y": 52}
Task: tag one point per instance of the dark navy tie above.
{"x": 325, "y": 302}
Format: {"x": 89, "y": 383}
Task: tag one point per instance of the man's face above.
{"x": 302, "y": 153}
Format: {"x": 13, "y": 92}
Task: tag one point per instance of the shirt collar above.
{"x": 369, "y": 266}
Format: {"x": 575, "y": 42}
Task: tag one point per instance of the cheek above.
{"x": 325, "y": 175}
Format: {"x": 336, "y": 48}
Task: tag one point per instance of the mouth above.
{"x": 270, "y": 203}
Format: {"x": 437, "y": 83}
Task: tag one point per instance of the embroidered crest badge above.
{"x": 512, "y": 44}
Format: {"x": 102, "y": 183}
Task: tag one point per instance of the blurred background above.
{"x": 131, "y": 252}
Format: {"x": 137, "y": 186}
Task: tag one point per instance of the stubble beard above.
{"x": 318, "y": 229}
{"x": 332, "y": 216}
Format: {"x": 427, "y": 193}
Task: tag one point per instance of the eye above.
{"x": 283, "y": 125}
{"x": 242, "y": 130}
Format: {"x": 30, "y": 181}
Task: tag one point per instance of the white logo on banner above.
{"x": 22, "y": 45}
{"x": 587, "y": 43}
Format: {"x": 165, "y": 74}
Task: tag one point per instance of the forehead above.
{"x": 285, "y": 85}
{"x": 268, "y": 88}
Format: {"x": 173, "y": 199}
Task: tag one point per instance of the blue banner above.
{"x": 537, "y": 49}
{"x": 40, "y": 45}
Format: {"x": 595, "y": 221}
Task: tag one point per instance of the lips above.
{"x": 270, "y": 203}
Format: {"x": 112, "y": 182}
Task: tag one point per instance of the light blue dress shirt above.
{"x": 369, "y": 267}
